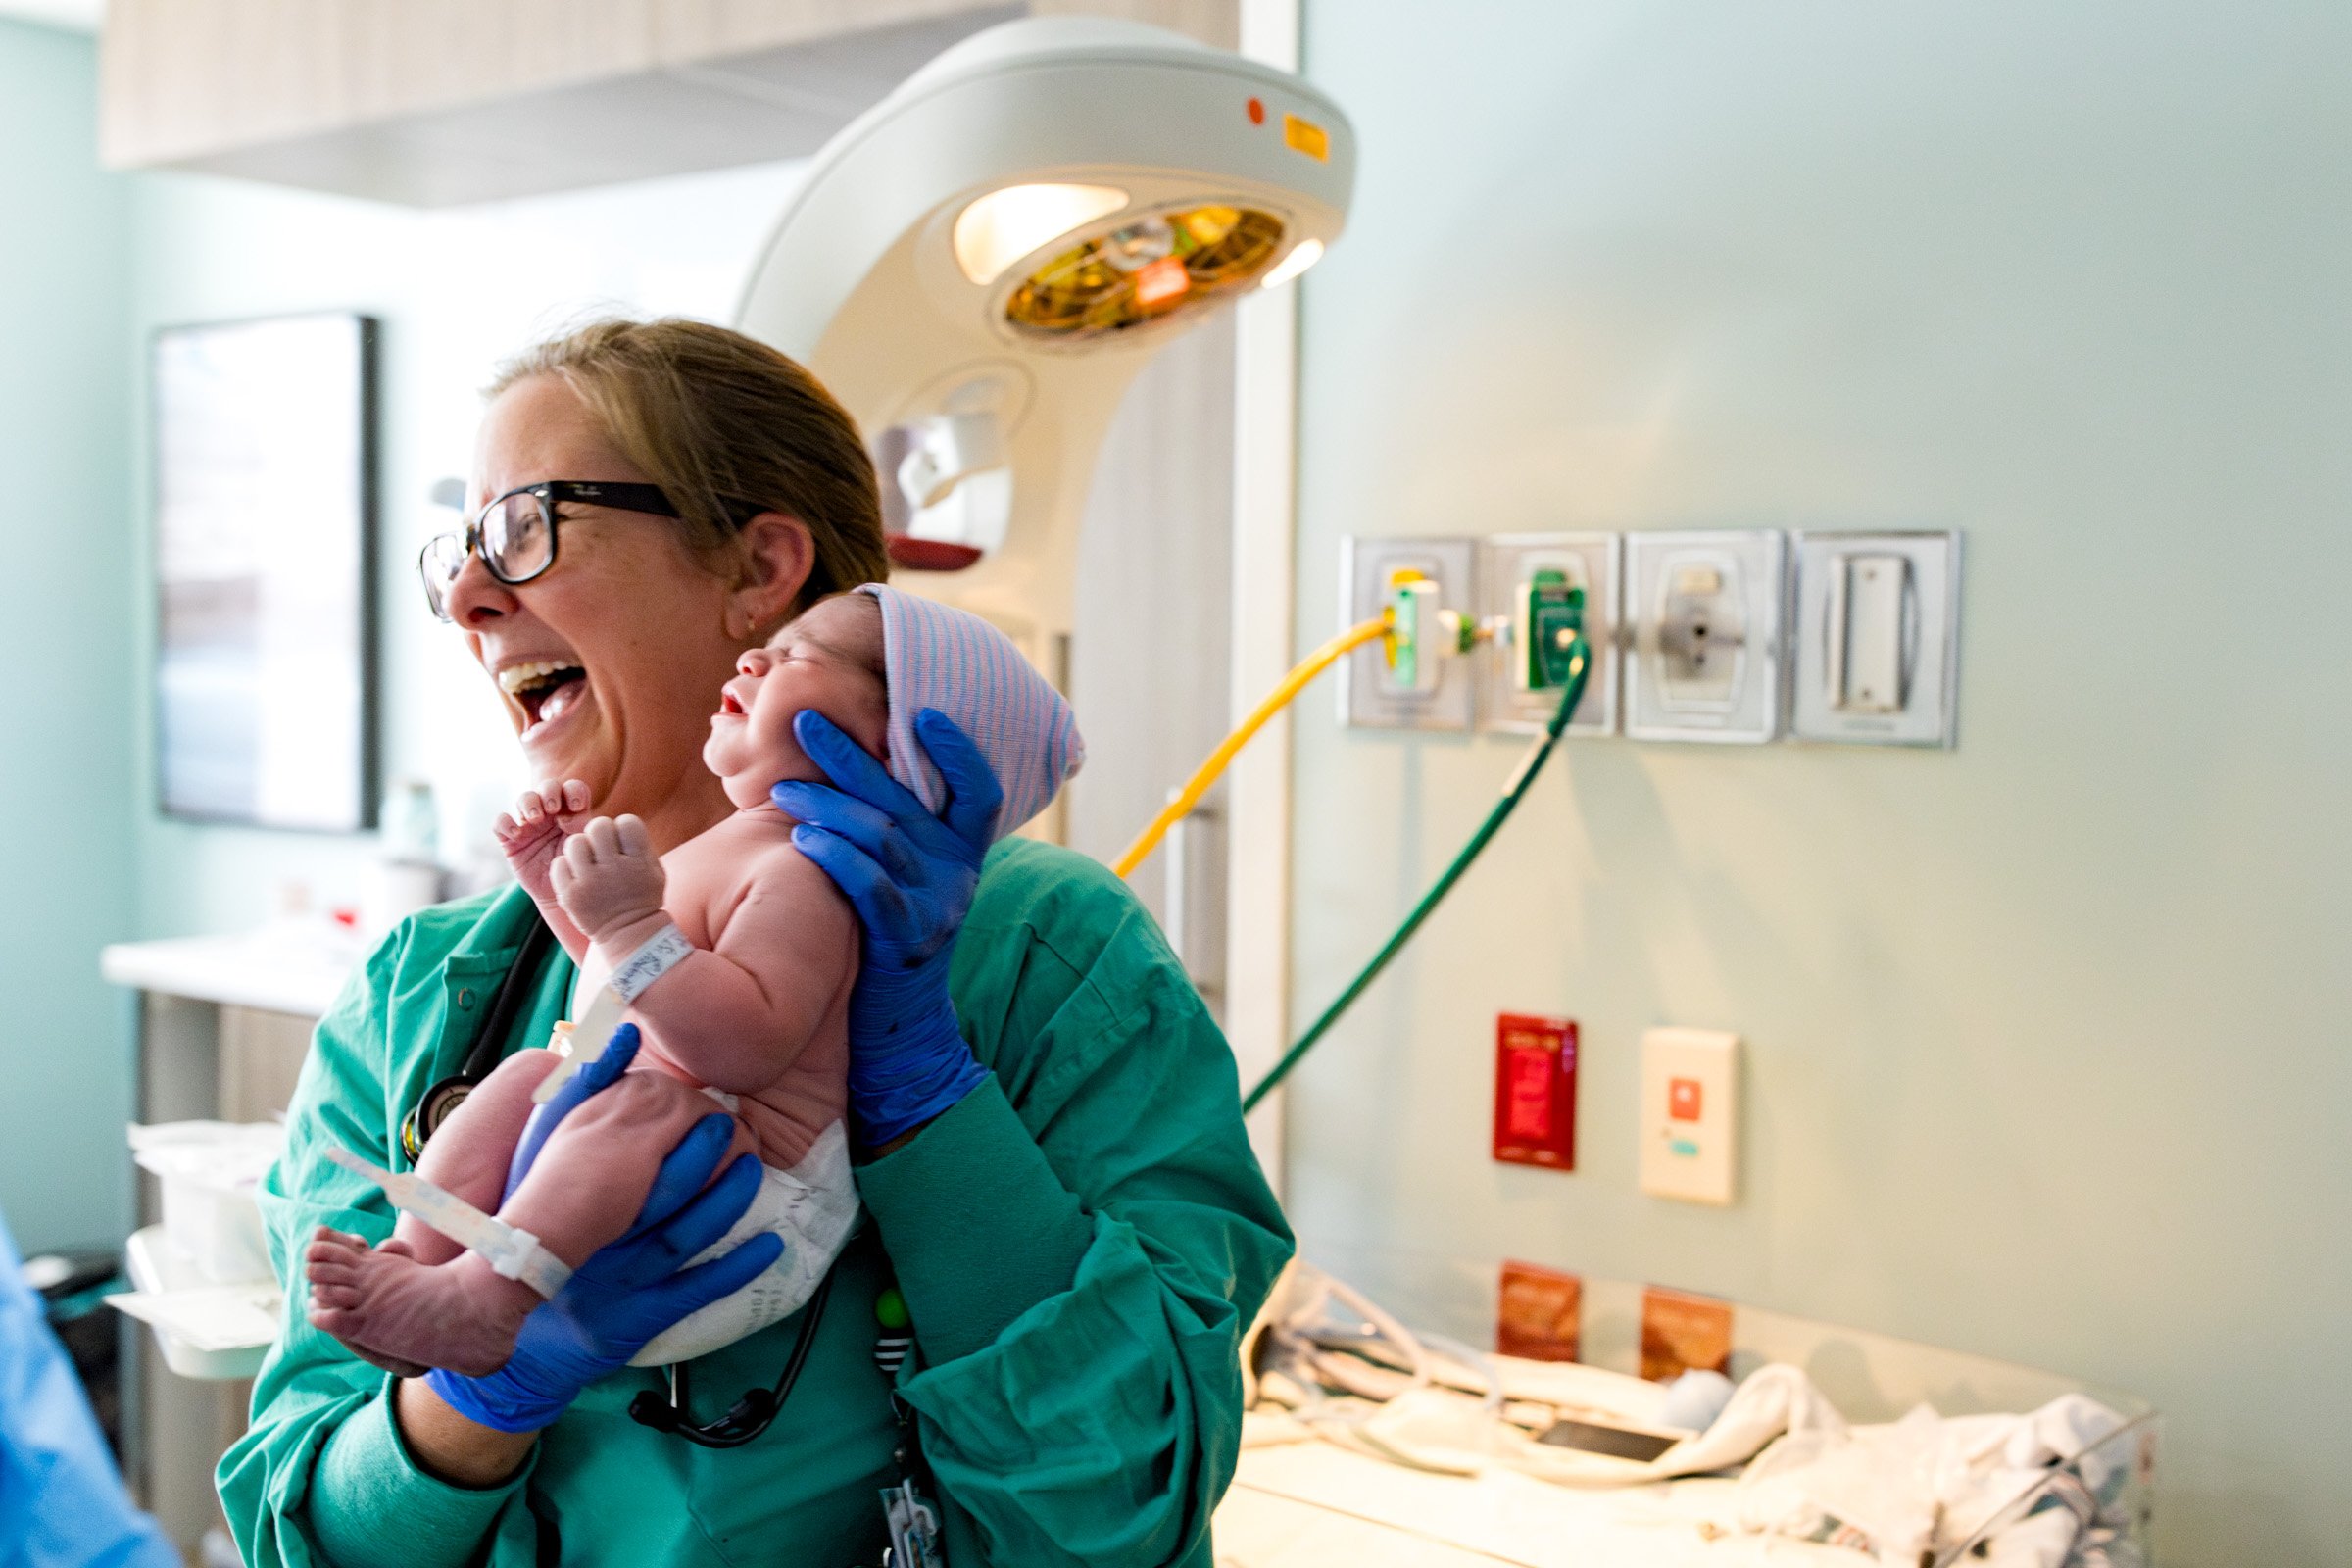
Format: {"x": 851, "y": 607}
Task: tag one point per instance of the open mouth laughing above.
{"x": 545, "y": 689}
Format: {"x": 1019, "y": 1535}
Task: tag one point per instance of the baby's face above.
{"x": 830, "y": 659}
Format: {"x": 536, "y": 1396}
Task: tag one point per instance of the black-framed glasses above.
{"x": 515, "y": 534}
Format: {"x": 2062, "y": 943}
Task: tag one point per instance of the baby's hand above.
{"x": 608, "y": 876}
{"x": 532, "y": 835}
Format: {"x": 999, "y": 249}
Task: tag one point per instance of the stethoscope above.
{"x": 757, "y": 1409}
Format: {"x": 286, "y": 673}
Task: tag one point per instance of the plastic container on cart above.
{"x": 205, "y": 1328}
{"x": 208, "y": 1171}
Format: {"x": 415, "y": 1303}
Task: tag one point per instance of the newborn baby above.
{"x": 736, "y": 956}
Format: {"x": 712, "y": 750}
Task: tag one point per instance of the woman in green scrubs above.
{"x": 1058, "y": 1186}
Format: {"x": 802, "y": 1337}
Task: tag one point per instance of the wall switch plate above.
{"x": 1592, "y": 562}
{"x": 1875, "y": 657}
{"x": 1705, "y": 657}
{"x": 1439, "y": 692}
{"x": 1689, "y": 1114}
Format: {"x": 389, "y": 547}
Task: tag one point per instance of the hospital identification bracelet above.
{"x": 525, "y": 1258}
{"x": 655, "y": 957}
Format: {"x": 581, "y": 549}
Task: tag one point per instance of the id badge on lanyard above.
{"x": 913, "y": 1528}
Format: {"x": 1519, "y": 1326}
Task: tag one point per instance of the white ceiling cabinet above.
{"x": 433, "y": 103}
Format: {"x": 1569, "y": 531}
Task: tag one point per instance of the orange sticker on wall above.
{"x": 1539, "y": 1313}
{"x": 1684, "y": 1333}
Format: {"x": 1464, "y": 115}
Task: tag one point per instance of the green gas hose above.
{"x": 1578, "y": 664}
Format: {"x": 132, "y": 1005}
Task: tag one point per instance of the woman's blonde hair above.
{"x": 725, "y": 425}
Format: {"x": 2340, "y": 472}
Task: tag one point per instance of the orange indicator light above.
{"x": 1305, "y": 136}
{"x": 1162, "y": 282}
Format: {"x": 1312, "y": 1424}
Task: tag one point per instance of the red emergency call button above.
{"x": 1681, "y": 1099}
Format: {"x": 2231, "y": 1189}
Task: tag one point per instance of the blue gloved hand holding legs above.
{"x": 618, "y": 1300}
{"x": 911, "y": 876}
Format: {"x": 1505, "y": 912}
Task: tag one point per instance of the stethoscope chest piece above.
{"x": 439, "y": 1102}
{"x": 438, "y": 1105}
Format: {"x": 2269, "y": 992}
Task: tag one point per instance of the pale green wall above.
{"x": 64, "y": 657}
{"x": 2048, "y": 1051}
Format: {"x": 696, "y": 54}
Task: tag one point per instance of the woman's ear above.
{"x": 777, "y": 554}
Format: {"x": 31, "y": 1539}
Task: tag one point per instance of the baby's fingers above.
{"x": 575, "y": 795}
{"x": 603, "y": 836}
{"x": 634, "y": 836}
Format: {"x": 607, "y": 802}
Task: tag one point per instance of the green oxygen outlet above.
{"x": 1546, "y": 619}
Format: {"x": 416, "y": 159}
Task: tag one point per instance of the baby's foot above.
{"x": 330, "y": 1293}
{"x": 401, "y": 1314}
{"x": 532, "y": 835}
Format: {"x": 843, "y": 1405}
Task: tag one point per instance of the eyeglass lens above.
{"x": 518, "y": 543}
{"x": 517, "y": 539}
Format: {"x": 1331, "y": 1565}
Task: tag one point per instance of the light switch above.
{"x": 1876, "y": 650}
{"x": 1689, "y": 1114}
{"x": 1867, "y": 595}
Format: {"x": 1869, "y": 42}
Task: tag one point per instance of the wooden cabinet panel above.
{"x": 439, "y": 102}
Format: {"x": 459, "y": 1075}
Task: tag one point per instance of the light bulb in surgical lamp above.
{"x": 1146, "y": 269}
{"x": 1303, "y": 255}
{"x": 1004, "y": 226}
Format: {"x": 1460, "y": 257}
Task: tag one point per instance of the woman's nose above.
{"x": 475, "y": 597}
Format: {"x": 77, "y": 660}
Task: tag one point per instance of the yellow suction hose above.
{"x": 1208, "y": 772}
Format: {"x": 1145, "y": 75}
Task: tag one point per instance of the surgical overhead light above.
{"x": 1001, "y": 227}
{"x": 979, "y": 266}
{"x": 1303, "y": 255}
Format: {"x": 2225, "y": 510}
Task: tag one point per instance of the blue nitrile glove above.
{"x": 593, "y": 1078}
{"x": 910, "y": 875}
{"x": 619, "y": 1300}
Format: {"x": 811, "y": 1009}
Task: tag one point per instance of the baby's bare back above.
{"x": 760, "y": 1012}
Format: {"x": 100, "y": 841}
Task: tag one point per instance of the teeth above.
{"x": 515, "y": 677}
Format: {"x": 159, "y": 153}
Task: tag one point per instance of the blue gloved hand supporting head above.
{"x": 911, "y": 876}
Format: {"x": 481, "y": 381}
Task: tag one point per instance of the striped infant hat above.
{"x": 935, "y": 655}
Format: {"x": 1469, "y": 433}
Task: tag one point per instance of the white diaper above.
{"x": 813, "y": 1207}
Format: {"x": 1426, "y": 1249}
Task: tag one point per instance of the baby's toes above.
{"x": 341, "y": 1256}
{"x": 331, "y": 1296}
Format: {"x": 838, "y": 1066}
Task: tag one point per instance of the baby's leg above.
{"x": 470, "y": 1155}
{"x": 592, "y": 1176}
{"x": 583, "y": 1190}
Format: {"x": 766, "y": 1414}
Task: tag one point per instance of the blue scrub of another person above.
{"x": 62, "y": 1502}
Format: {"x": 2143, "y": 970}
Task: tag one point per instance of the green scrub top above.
{"x": 1081, "y": 1243}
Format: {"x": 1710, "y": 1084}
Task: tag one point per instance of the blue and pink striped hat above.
{"x": 935, "y": 655}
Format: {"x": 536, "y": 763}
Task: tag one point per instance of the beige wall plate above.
{"x": 1873, "y": 657}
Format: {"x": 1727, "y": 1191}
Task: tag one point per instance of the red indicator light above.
{"x": 1165, "y": 281}
{"x": 1257, "y": 111}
